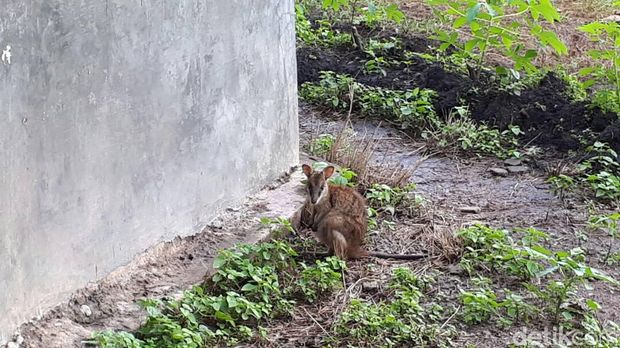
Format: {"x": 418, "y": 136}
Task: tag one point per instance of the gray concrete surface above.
{"x": 127, "y": 122}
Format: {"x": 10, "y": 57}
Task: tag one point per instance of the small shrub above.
{"x": 401, "y": 321}
{"x": 493, "y": 249}
{"x": 561, "y": 184}
{"x": 609, "y": 223}
{"x": 410, "y": 109}
{"x": 479, "y": 306}
{"x": 323, "y": 277}
{"x": 279, "y": 226}
{"x": 573, "y": 272}
{"x": 607, "y": 72}
{"x": 461, "y": 131}
{"x": 494, "y": 25}
{"x": 108, "y": 339}
{"x": 601, "y": 172}
{"x": 252, "y": 284}
{"x": 514, "y": 82}
{"x": 599, "y": 334}
{"x": 322, "y": 145}
{"x": 332, "y": 90}
{"x": 323, "y": 35}
{"x": 394, "y": 200}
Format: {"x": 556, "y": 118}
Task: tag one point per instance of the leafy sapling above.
{"x": 610, "y": 224}
{"x": 497, "y": 25}
{"x": 607, "y": 71}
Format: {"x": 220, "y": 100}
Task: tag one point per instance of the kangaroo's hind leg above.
{"x": 332, "y": 232}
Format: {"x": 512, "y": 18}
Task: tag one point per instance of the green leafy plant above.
{"x": 323, "y": 35}
{"x": 345, "y": 177}
{"x": 497, "y": 25}
{"x": 605, "y": 184}
{"x": 252, "y": 284}
{"x": 108, "y": 339}
{"x": 601, "y": 171}
{"x": 609, "y": 223}
{"x": 373, "y": 224}
{"x": 374, "y": 13}
{"x": 600, "y": 334}
{"x": 394, "y": 200}
{"x": 494, "y": 249}
{"x": 279, "y": 226}
{"x": 332, "y": 90}
{"x": 565, "y": 272}
{"x": 479, "y": 306}
{"x": 517, "y": 309}
{"x": 607, "y": 72}
{"x": 461, "y": 131}
{"x": 410, "y": 109}
{"x": 561, "y": 184}
{"x": 399, "y": 321}
{"x": 377, "y": 51}
{"x": 614, "y": 259}
{"x": 377, "y": 65}
{"x": 573, "y": 272}
{"x": 323, "y": 277}
{"x": 514, "y": 82}
{"x": 322, "y": 144}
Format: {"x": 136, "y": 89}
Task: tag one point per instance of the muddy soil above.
{"x": 544, "y": 112}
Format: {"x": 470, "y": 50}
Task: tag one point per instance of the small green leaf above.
{"x": 473, "y": 12}
{"x": 593, "y": 305}
{"x": 249, "y": 287}
{"x": 219, "y": 261}
{"x": 221, "y": 316}
{"x": 586, "y": 71}
{"x": 550, "y": 38}
{"x": 490, "y": 9}
{"x": 459, "y": 22}
{"x": 471, "y": 44}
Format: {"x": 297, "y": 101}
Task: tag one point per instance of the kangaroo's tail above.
{"x": 397, "y": 256}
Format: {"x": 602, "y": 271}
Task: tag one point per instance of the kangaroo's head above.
{"x": 317, "y": 182}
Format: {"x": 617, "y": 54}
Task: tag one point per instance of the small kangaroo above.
{"x": 338, "y": 216}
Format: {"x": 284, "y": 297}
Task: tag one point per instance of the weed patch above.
{"x": 598, "y": 173}
{"x": 252, "y": 285}
{"x": 559, "y": 274}
{"x": 409, "y": 109}
{"x": 402, "y": 320}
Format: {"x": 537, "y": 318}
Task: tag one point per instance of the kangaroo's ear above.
{"x": 328, "y": 172}
{"x": 307, "y": 170}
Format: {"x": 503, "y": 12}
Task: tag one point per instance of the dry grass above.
{"x": 441, "y": 242}
{"x": 357, "y": 153}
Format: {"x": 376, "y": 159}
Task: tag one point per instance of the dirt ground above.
{"x": 162, "y": 271}
{"x": 545, "y": 113}
{"x": 452, "y": 186}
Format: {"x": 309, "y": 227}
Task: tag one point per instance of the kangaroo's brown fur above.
{"x": 337, "y": 215}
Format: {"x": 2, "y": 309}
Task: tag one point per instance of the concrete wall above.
{"x": 128, "y": 122}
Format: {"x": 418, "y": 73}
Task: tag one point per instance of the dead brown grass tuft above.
{"x": 357, "y": 153}
{"x": 441, "y": 242}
